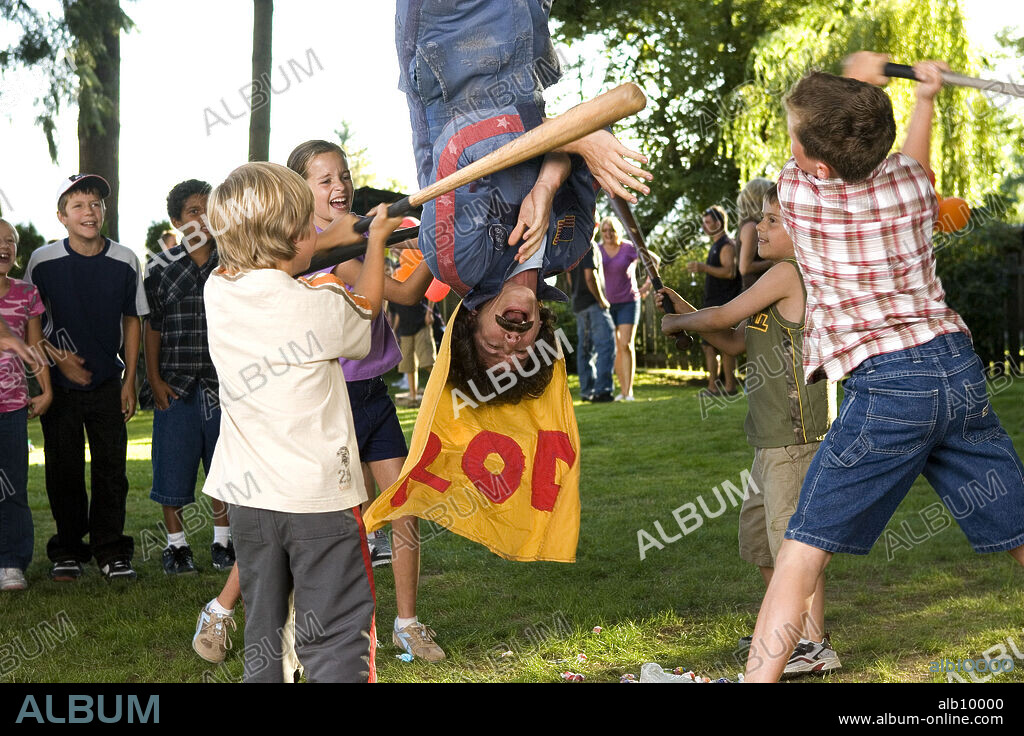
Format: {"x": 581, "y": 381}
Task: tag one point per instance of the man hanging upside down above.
{"x": 474, "y": 76}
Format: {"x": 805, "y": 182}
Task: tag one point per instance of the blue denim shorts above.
{"x": 184, "y": 434}
{"x": 378, "y": 430}
{"x": 625, "y": 313}
{"x": 924, "y": 410}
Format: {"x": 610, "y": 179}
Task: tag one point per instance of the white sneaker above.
{"x": 652, "y": 672}
{"x": 403, "y": 384}
{"x": 12, "y": 578}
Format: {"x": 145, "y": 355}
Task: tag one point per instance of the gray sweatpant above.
{"x": 325, "y": 559}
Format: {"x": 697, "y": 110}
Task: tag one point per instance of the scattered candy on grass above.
{"x": 581, "y": 657}
{"x": 572, "y": 677}
{"x": 405, "y": 657}
{"x": 598, "y": 629}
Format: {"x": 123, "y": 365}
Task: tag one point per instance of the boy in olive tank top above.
{"x": 786, "y": 418}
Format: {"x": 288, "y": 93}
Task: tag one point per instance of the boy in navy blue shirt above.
{"x": 93, "y": 293}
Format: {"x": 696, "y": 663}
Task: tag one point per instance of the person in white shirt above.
{"x": 287, "y": 461}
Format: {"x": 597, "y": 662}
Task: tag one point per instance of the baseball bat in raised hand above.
{"x": 625, "y": 215}
{"x": 584, "y": 119}
{"x": 904, "y": 71}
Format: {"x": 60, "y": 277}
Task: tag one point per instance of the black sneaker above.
{"x": 223, "y": 557}
{"x": 119, "y": 569}
{"x": 178, "y": 560}
{"x": 602, "y": 398}
{"x": 66, "y": 571}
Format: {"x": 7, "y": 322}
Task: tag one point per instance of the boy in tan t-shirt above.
{"x": 287, "y": 461}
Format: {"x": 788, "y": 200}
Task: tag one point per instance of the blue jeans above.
{"x": 16, "y": 532}
{"x": 184, "y": 434}
{"x": 924, "y": 410}
{"x": 595, "y": 335}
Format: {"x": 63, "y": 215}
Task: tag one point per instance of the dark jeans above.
{"x": 16, "y": 534}
{"x": 99, "y": 412}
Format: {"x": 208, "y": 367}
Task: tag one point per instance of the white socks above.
{"x": 176, "y": 540}
{"x": 222, "y": 535}
{"x": 401, "y": 623}
{"x": 218, "y": 608}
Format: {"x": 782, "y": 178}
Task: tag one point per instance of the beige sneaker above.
{"x": 212, "y": 640}
{"x": 418, "y": 640}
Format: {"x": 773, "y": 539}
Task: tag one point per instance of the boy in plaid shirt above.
{"x": 186, "y": 418}
{"x": 915, "y": 401}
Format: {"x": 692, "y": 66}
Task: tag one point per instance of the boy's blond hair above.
{"x": 257, "y": 213}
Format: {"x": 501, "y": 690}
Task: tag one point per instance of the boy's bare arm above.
{"x": 339, "y": 232}
{"x": 410, "y": 291}
{"x": 595, "y": 287}
{"x": 38, "y": 405}
{"x": 780, "y": 282}
{"x": 919, "y": 131}
{"x": 162, "y": 392}
{"x": 132, "y": 337}
{"x": 370, "y": 283}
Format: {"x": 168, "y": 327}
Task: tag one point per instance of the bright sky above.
{"x": 333, "y": 61}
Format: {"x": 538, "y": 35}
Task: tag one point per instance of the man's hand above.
{"x": 606, "y": 158}
{"x": 866, "y": 66}
{"x": 162, "y": 393}
{"x": 929, "y": 78}
{"x": 678, "y": 303}
{"x": 38, "y": 405}
{"x": 534, "y": 217}
{"x": 128, "y": 400}
{"x": 694, "y": 266}
{"x": 72, "y": 366}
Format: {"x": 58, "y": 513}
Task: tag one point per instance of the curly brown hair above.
{"x": 846, "y": 123}
{"x": 467, "y": 366}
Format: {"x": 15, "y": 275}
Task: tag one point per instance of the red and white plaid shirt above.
{"x": 865, "y": 251}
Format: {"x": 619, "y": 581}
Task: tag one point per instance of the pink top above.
{"x": 620, "y": 274}
{"x": 17, "y": 307}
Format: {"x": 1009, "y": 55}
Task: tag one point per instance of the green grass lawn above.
{"x": 684, "y": 605}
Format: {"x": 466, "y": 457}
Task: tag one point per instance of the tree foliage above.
{"x": 359, "y": 164}
{"x": 715, "y": 73}
{"x": 65, "y": 46}
{"x": 969, "y": 131}
{"x": 29, "y": 240}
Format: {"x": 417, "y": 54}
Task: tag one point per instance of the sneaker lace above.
{"x": 219, "y": 625}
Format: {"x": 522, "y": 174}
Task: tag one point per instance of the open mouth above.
{"x": 514, "y": 320}
{"x": 6, "y": 257}
{"x": 340, "y": 203}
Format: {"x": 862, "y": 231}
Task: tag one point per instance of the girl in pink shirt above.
{"x": 20, "y": 309}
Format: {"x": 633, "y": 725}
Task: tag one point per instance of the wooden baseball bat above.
{"x": 341, "y": 253}
{"x": 959, "y": 80}
{"x": 625, "y": 215}
{"x": 584, "y": 119}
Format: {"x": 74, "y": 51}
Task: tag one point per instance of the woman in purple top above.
{"x": 620, "y": 259}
